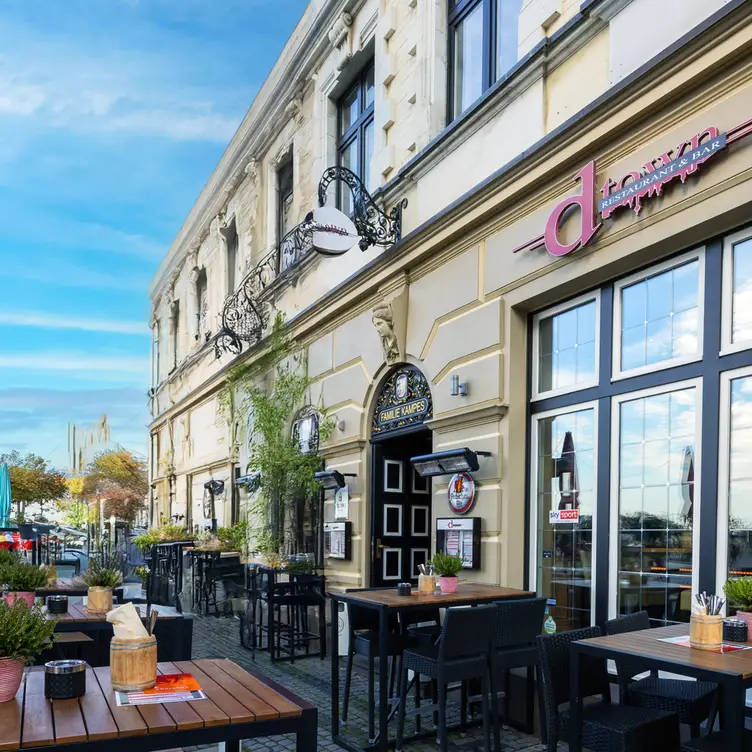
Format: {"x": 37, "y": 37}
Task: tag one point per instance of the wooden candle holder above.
{"x": 706, "y": 632}
{"x": 133, "y": 664}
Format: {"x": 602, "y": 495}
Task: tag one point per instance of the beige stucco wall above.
{"x": 460, "y": 296}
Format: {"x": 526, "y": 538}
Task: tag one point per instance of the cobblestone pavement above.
{"x": 310, "y": 679}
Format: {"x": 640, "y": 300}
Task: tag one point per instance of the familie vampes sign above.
{"x": 631, "y": 190}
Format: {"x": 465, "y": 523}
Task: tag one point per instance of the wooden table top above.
{"x": 65, "y": 586}
{"x": 79, "y": 613}
{"x": 467, "y": 593}
{"x": 647, "y": 644}
{"x": 233, "y": 696}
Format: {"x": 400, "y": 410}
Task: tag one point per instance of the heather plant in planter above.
{"x": 24, "y": 633}
{"x": 447, "y": 568}
{"x": 102, "y": 576}
{"x": 739, "y": 593}
{"x": 22, "y": 581}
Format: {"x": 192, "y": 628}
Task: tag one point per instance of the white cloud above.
{"x": 73, "y": 361}
{"x": 54, "y": 321}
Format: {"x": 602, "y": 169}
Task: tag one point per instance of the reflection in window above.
{"x": 656, "y": 505}
{"x": 567, "y": 348}
{"x": 565, "y": 480}
{"x": 740, "y": 479}
{"x": 355, "y": 142}
{"x": 468, "y": 60}
{"x": 483, "y": 39}
{"x": 660, "y": 318}
{"x": 741, "y": 305}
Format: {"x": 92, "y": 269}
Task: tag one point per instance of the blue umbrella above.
{"x": 5, "y": 495}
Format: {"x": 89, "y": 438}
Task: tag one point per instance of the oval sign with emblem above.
{"x": 461, "y": 493}
{"x": 334, "y": 233}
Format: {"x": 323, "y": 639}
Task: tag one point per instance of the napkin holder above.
{"x": 133, "y": 652}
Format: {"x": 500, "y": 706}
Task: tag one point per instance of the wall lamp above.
{"x": 447, "y": 463}
{"x": 332, "y": 479}
{"x": 252, "y": 482}
{"x": 455, "y": 388}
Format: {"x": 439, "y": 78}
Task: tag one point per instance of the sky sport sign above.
{"x": 564, "y": 516}
{"x": 631, "y": 190}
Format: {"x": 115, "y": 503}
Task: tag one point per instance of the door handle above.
{"x": 379, "y": 545}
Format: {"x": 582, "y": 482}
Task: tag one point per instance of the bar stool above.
{"x": 461, "y": 654}
{"x": 692, "y": 701}
{"x": 605, "y": 727}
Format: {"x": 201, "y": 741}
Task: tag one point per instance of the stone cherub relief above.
{"x": 383, "y": 319}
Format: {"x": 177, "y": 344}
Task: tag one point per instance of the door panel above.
{"x": 401, "y": 511}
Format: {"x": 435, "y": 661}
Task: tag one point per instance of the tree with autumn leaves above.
{"x": 118, "y": 480}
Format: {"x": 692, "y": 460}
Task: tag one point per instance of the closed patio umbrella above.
{"x": 566, "y": 471}
{"x": 5, "y": 495}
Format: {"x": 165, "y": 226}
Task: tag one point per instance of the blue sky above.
{"x": 113, "y": 114}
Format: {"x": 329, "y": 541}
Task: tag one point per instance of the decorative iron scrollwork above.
{"x": 375, "y": 226}
{"x": 246, "y": 314}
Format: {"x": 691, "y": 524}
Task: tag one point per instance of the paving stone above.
{"x": 310, "y": 678}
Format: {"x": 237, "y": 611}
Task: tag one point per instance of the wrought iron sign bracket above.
{"x": 374, "y": 225}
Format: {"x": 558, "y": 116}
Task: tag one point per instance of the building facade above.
{"x": 567, "y": 294}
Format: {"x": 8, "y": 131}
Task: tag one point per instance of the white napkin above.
{"x": 126, "y": 623}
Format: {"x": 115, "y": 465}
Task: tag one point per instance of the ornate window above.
{"x": 175, "y": 333}
{"x": 483, "y": 47}
{"x": 155, "y": 353}
{"x": 232, "y": 241}
{"x": 285, "y": 194}
{"x": 356, "y": 133}
{"x": 202, "y": 303}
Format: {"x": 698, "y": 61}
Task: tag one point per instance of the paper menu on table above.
{"x": 169, "y": 688}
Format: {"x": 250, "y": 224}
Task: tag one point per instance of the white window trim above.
{"x": 412, "y": 560}
{"x": 427, "y": 510}
{"x": 724, "y": 447}
{"x": 387, "y": 489}
{"x": 595, "y": 295}
{"x": 616, "y": 373}
{"x": 534, "y": 435}
{"x": 616, "y": 402}
{"x": 384, "y": 552}
{"x": 727, "y": 317}
{"x": 390, "y": 533}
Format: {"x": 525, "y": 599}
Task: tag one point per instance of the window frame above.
{"x": 356, "y": 132}
{"x": 617, "y": 374}
{"x": 155, "y": 345}
{"x": 616, "y": 402}
{"x": 594, "y": 296}
{"x": 727, "y": 303}
{"x": 724, "y": 467}
{"x": 532, "y": 490}
{"x": 490, "y": 73}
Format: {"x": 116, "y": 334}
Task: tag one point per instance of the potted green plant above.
{"x": 739, "y": 593}
{"x": 24, "y": 633}
{"x": 102, "y": 576}
{"x": 22, "y": 581}
{"x": 447, "y": 568}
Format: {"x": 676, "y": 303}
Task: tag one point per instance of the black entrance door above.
{"x": 401, "y": 510}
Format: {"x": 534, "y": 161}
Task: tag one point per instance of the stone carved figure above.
{"x": 383, "y": 319}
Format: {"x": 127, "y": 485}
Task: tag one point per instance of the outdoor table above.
{"x": 72, "y": 587}
{"x": 79, "y": 619}
{"x": 388, "y": 603}
{"x": 240, "y": 705}
{"x": 731, "y": 671}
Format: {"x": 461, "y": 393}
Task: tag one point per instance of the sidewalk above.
{"x": 310, "y": 679}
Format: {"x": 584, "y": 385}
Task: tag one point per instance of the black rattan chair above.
{"x": 364, "y": 641}
{"x": 692, "y": 701}
{"x": 518, "y": 623}
{"x": 605, "y": 727}
{"x": 716, "y": 742}
{"x": 462, "y": 654}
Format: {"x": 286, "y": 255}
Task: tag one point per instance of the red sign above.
{"x": 631, "y": 190}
